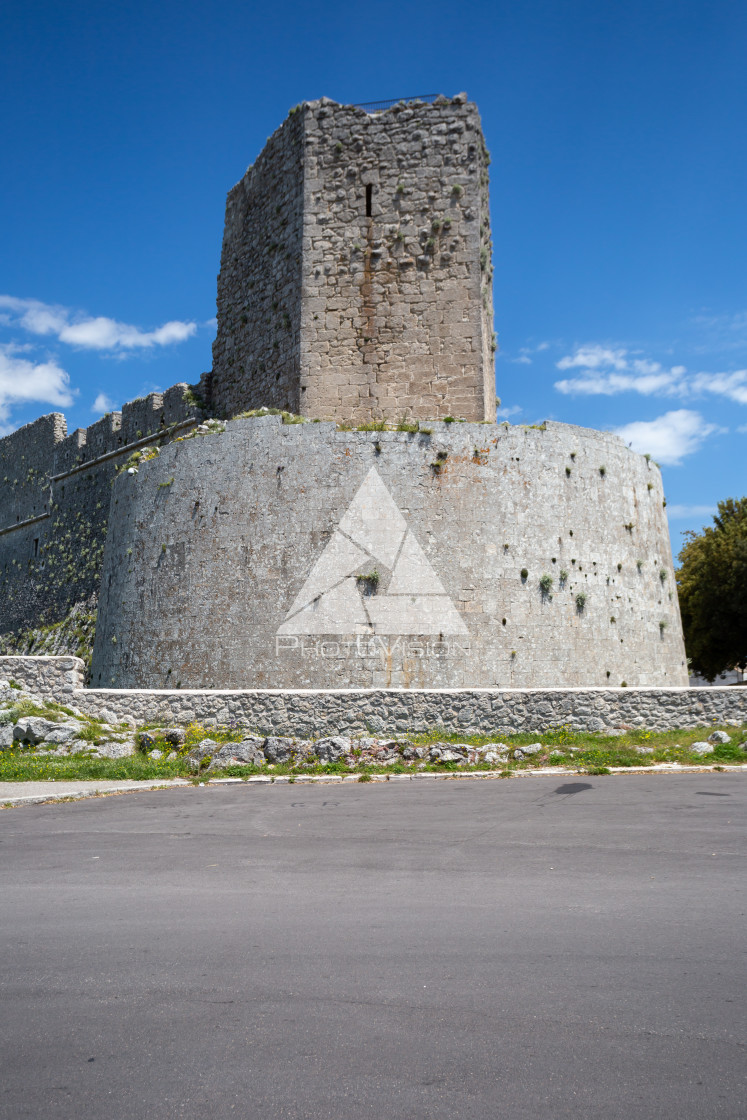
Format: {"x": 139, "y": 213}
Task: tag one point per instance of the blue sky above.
{"x": 617, "y": 135}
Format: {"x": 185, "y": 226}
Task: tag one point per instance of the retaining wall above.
{"x": 326, "y": 712}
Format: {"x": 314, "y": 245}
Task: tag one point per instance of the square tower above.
{"x": 355, "y": 279}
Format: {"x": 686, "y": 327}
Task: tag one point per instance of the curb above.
{"x": 454, "y": 775}
{"x": 81, "y": 794}
{"x": 350, "y": 779}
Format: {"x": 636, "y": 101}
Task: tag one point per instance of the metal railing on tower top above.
{"x": 379, "y": 106}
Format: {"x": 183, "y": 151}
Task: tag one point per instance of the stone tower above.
{"x": 355, "y": 279}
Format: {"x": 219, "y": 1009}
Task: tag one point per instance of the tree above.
{"x": 712, "y": 587}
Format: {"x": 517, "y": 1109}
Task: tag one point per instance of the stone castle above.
{"x": 333, "y": 505}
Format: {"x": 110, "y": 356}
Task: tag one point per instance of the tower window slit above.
{"x": 369, "y": 198}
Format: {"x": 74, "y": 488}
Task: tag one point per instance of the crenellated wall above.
{"x": 54, "y": 504}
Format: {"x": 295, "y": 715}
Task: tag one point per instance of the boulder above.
{"x": 532, "y": 748}
{"x": 173, "y": 735}
{"x": 719, "y": 737}
{"x": 701, "y": 748}
{"x": 246, "y": 753}
{"x": 198, "y": 754}
{"x": 493, "y": 756}
{"x": 452, "y": 754}
{"x": 279, "y": 749}
{"x": 6, "y": 736}
{"x": 447, "y": 752}
{"x": 63, "y": 733}
{"x": 332, "y": 749}
{"x": 114, "y": 749}
{"x": 33, "y": 729}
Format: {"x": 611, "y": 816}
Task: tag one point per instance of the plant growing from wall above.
{"x": 546, "y": 582}
{"x": 580, "y": 602}
{"x": 369, "y": 582}
{"x": 438, "y": 464}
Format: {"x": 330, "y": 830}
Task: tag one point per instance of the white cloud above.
{"x": 609, "y": 384}
{"x": 22, "y": 380}
{"x": 689, "y": 513}
{"x": 99, "y": 333}
{"x": 670, "y": 437}
{"x": 730, "y": 385}
{"x": 594, "y": 357}
{"x": 524, "y": 358}
{"x": 742, "y": 428}
{"x": 607, "y": 372}
{"x": 504, "y": 413}
{"x": 102, "y": 404}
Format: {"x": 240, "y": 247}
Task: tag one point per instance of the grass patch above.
{"x": 562, "y": 746}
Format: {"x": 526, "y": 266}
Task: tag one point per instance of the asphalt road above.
{"x": 539, "y": 948}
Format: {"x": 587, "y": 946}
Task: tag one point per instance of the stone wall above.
{"x": 55, "y": 491}
{"x": 356, "y": 275}
{"x": 309, "y": 712}
{"x": 468, "y": 555}
{"x": 256, "y": 353}
{"x": 53, "y": 677}
{"x": 474, "y": 711}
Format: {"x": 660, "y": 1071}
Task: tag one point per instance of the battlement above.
{"x": 54, "y": 502}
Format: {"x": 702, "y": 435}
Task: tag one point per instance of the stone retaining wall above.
{"x": 324, "y": 712}
{"x": 54, "y": 677}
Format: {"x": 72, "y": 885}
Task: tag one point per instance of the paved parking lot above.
{"x": 541, "y": 949}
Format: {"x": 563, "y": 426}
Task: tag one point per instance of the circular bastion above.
{"x": 292, "y": 556}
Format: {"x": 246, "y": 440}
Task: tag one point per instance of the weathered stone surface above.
{"x": 279, "y": 749}
{"x": 497, "y": 755}
{"x": 332, "y": 749}
{"x": 34, "y": 729}
{"x": 246, "y": 753}
{"x": 173, "y": 735}
{"x": 354, "y": 712}
{"x": 356, "y": 273}
{"x": 6, "y": 735}
{"x": 248, "y": 580}
{"x": 64, "y": 733}
{"x": 46, "y": 469}
{"x": 206, "y": 749}
{"x": 112, "y": 749}
{"x": 528, "y": 749}
{"x": 719, "y": 737}
{"x": 702, "y": 748}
